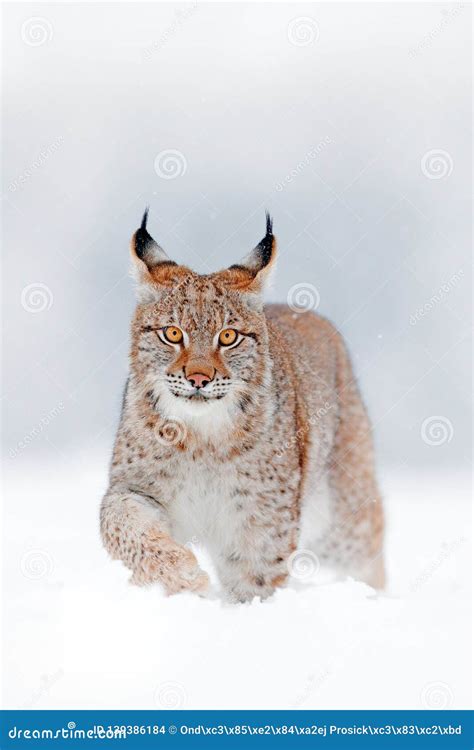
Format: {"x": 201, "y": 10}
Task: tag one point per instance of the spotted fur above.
{"x": 273, "y": 453}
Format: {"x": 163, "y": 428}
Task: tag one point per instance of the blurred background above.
{"x": 351, "y": 123}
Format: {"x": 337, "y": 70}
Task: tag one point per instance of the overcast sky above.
{"x": 350, "y": 123}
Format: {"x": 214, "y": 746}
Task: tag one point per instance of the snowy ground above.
{"x": 77, "y": 635}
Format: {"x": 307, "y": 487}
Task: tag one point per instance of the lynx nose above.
{"x": 198, "y": 380}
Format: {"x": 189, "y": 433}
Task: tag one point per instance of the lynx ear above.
{"x": 151, "y": 266}
{"x": 144, "y": 248}
{"x": 252, "y": 272}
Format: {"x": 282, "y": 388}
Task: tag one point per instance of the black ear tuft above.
{"x": 269, "y": 223}
{"x": 145, "y": 218}
{"x": 265, "y": 246}
{"x": 143, "y": 241}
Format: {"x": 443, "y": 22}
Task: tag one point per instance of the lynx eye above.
{"x": 227, "y": 337}
{"x": 173, "y": 334}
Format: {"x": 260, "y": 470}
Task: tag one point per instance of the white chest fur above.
{"x": 202, "y": 508}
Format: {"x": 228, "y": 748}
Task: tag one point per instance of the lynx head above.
{"x": 200, "y": 342}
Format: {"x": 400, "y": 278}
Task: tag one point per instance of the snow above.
{"x": 77, "y": 635}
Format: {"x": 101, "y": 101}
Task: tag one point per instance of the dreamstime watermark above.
{"x": 303, "y": 297}
{"x": 436, "y": 298}
{"x": 302, "y": 431}
{"x": 303, "y": 565}
{"x": 170, "y": 431}
{"x": 446, "y": 551}
{"x": 449, "y": 15}
{"x": 436, "y": 164}
{"x": 303, "y": 31}
{"x": 436, "y": 695}
{"x": 36, "y": 431}
{"x": 437, "y": 430}
{"x": 313, "y": 683}
{"x": 36, "y": 297}
{"x": 40, "y": 160}
{"x": 170, "y": 164}
{"x": 97, "y": 732}
{"x": 181, "y": 16}
{"x": 304, "y": 163}
{"x": 36, "y": 31}
{"x": 170, "y": 695}
{"x": 36, "y": 564}
{"x": 46, "y": 683}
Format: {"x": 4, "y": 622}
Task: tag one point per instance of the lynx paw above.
{"x": 168, "y": 563}
{"x": 244, "y": 592}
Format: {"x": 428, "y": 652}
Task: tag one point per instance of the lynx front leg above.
{"x": 136, "y": 532}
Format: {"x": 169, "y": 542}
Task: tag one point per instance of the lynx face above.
{"x": 200, "y": 342}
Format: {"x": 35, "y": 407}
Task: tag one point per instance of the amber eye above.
{"x": 173, "y": 334}
{"x": 227, "y": 337}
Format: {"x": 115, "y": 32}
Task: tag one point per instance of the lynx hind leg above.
{"x": 136, "y": 533}
{"x": 354, "y": 542}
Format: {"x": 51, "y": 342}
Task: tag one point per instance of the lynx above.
{"x": 242, "y": 427}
